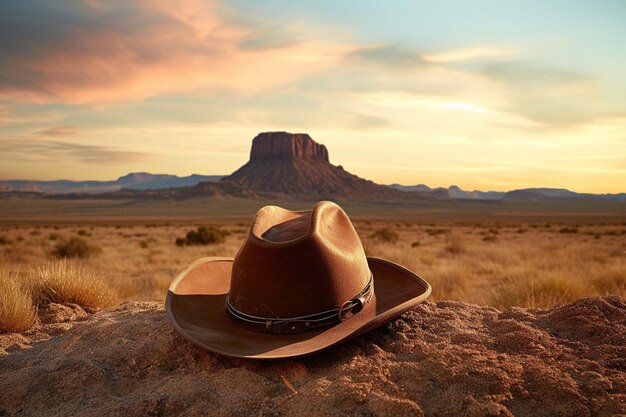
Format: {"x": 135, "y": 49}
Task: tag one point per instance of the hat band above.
{"x": 301, "y": 324}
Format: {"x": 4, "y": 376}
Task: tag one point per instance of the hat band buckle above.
{"x": 293, "y": 325}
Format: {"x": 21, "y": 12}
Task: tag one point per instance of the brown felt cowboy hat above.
{"x": 300, "y": 283}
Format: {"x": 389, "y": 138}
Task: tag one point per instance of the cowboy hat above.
{"x": 300, "y": 283}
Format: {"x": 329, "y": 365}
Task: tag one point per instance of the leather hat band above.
{"x": 301, "y": 324}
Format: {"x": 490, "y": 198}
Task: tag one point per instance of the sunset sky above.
{"x": 490, "y": 95}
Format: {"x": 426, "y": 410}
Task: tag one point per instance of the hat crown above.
{"x": 297, "y": 263}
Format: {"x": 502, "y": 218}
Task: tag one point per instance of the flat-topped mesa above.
{"x": 294, "y": 164}
{"x": 283, "y": 145}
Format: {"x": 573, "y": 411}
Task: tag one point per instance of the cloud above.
{"x": 368, "y": 122}
{"x": 56, "y": 131}
{"x": 476, "y": 79}
{"x": 53, "y": 150}
{"x": 523, "y": 74}
{"x": 99, "y": 52}
{"x": 550, "y": 97}
{"x": 469, "y": 54}
{"x": 391, "y": 55}
{"x": 10, "y": 115}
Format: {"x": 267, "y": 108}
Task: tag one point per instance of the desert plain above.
{"x": 526, "y": 260}
{"x": 527, "y": 315}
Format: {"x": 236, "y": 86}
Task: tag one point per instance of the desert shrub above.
{"x": 569, "y": 230}
{"x": 54, "y": 236}
{"x": 66, "y": 282}
{"x": 493, "y": 231}
{"x": 82, "y": 232}
{"x": 4, "y": 240}
{"x": 415, "y": 244}
{"x": 454, "y": 244}
{"x": 146, "y": 243}
{"x": 614, "y": 232}
{"x": 521, "y": 230}
{"x": 17, "y": 313}
{"x": 203, "y": 236}
{"x": 490, "y": 238}
{"x": 35, "y": 233}
{"x": 436, "y": 231}
{"x": 75, "y": 247}
{"x": 385, "y": 234}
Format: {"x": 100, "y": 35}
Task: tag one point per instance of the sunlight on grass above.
{"x": 55, "y": 282}
{"x": 17, "y": 312}
{"x": 67, "y": 282}
{"x": 537, "y": 267}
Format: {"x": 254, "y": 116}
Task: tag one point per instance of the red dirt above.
{"x": 448, "y": 358}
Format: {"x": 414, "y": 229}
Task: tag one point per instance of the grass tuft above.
{"x": 17, "y": 312}
{"x": 385, "y": 234}
{"x": 75, "y": 247}
{"x": 538, "y": 292}
{"x": 67, "y": 282}
{"x": 454, "y": 244}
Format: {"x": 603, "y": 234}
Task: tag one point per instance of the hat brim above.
{"x": 196, "y": 307}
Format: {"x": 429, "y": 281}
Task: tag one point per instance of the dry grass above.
{"x": 58, "y": 282}
{"x": 489, "y": 263}
{"x": 75, "y": 247}
{"x": 498, "y": 266}
{"x": 66, "y": 282}
{"x": 385, "y": 234}
{"x": 17, "y": 312}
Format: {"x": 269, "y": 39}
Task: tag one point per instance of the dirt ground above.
{"x": 448, "y": 358}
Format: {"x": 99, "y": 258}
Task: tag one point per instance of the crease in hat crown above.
{"x": 298, "y": 263}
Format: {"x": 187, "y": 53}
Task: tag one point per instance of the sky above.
{"x": 487, "y": 95}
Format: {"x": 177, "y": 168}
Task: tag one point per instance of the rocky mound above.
{"x": 448, "y": 358}
{"x": 295, "y": 164}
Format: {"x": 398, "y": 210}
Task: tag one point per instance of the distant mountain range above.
{"x": 526, "y": 194}
{"x": 132, "y": 181}
{"x": 280, "y": 163}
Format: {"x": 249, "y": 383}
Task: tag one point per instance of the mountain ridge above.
{"x": 132, "y": 180}
{"x": 523, "y": 194}
{"x": 292, "y": 164}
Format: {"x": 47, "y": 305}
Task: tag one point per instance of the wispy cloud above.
{"x": 524, "y": 74}
{"x": 391, "y": 55}
{"x": 42, "y": 150}
{"x": 57, "y": 131}
{"x": 481, "y": 78}
{"x": 551, "y": 97}
{"x": 98, "y": 52}
{"x": 470, "y": 54}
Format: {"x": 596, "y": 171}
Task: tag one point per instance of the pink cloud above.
{"x": 111, "y": 53}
